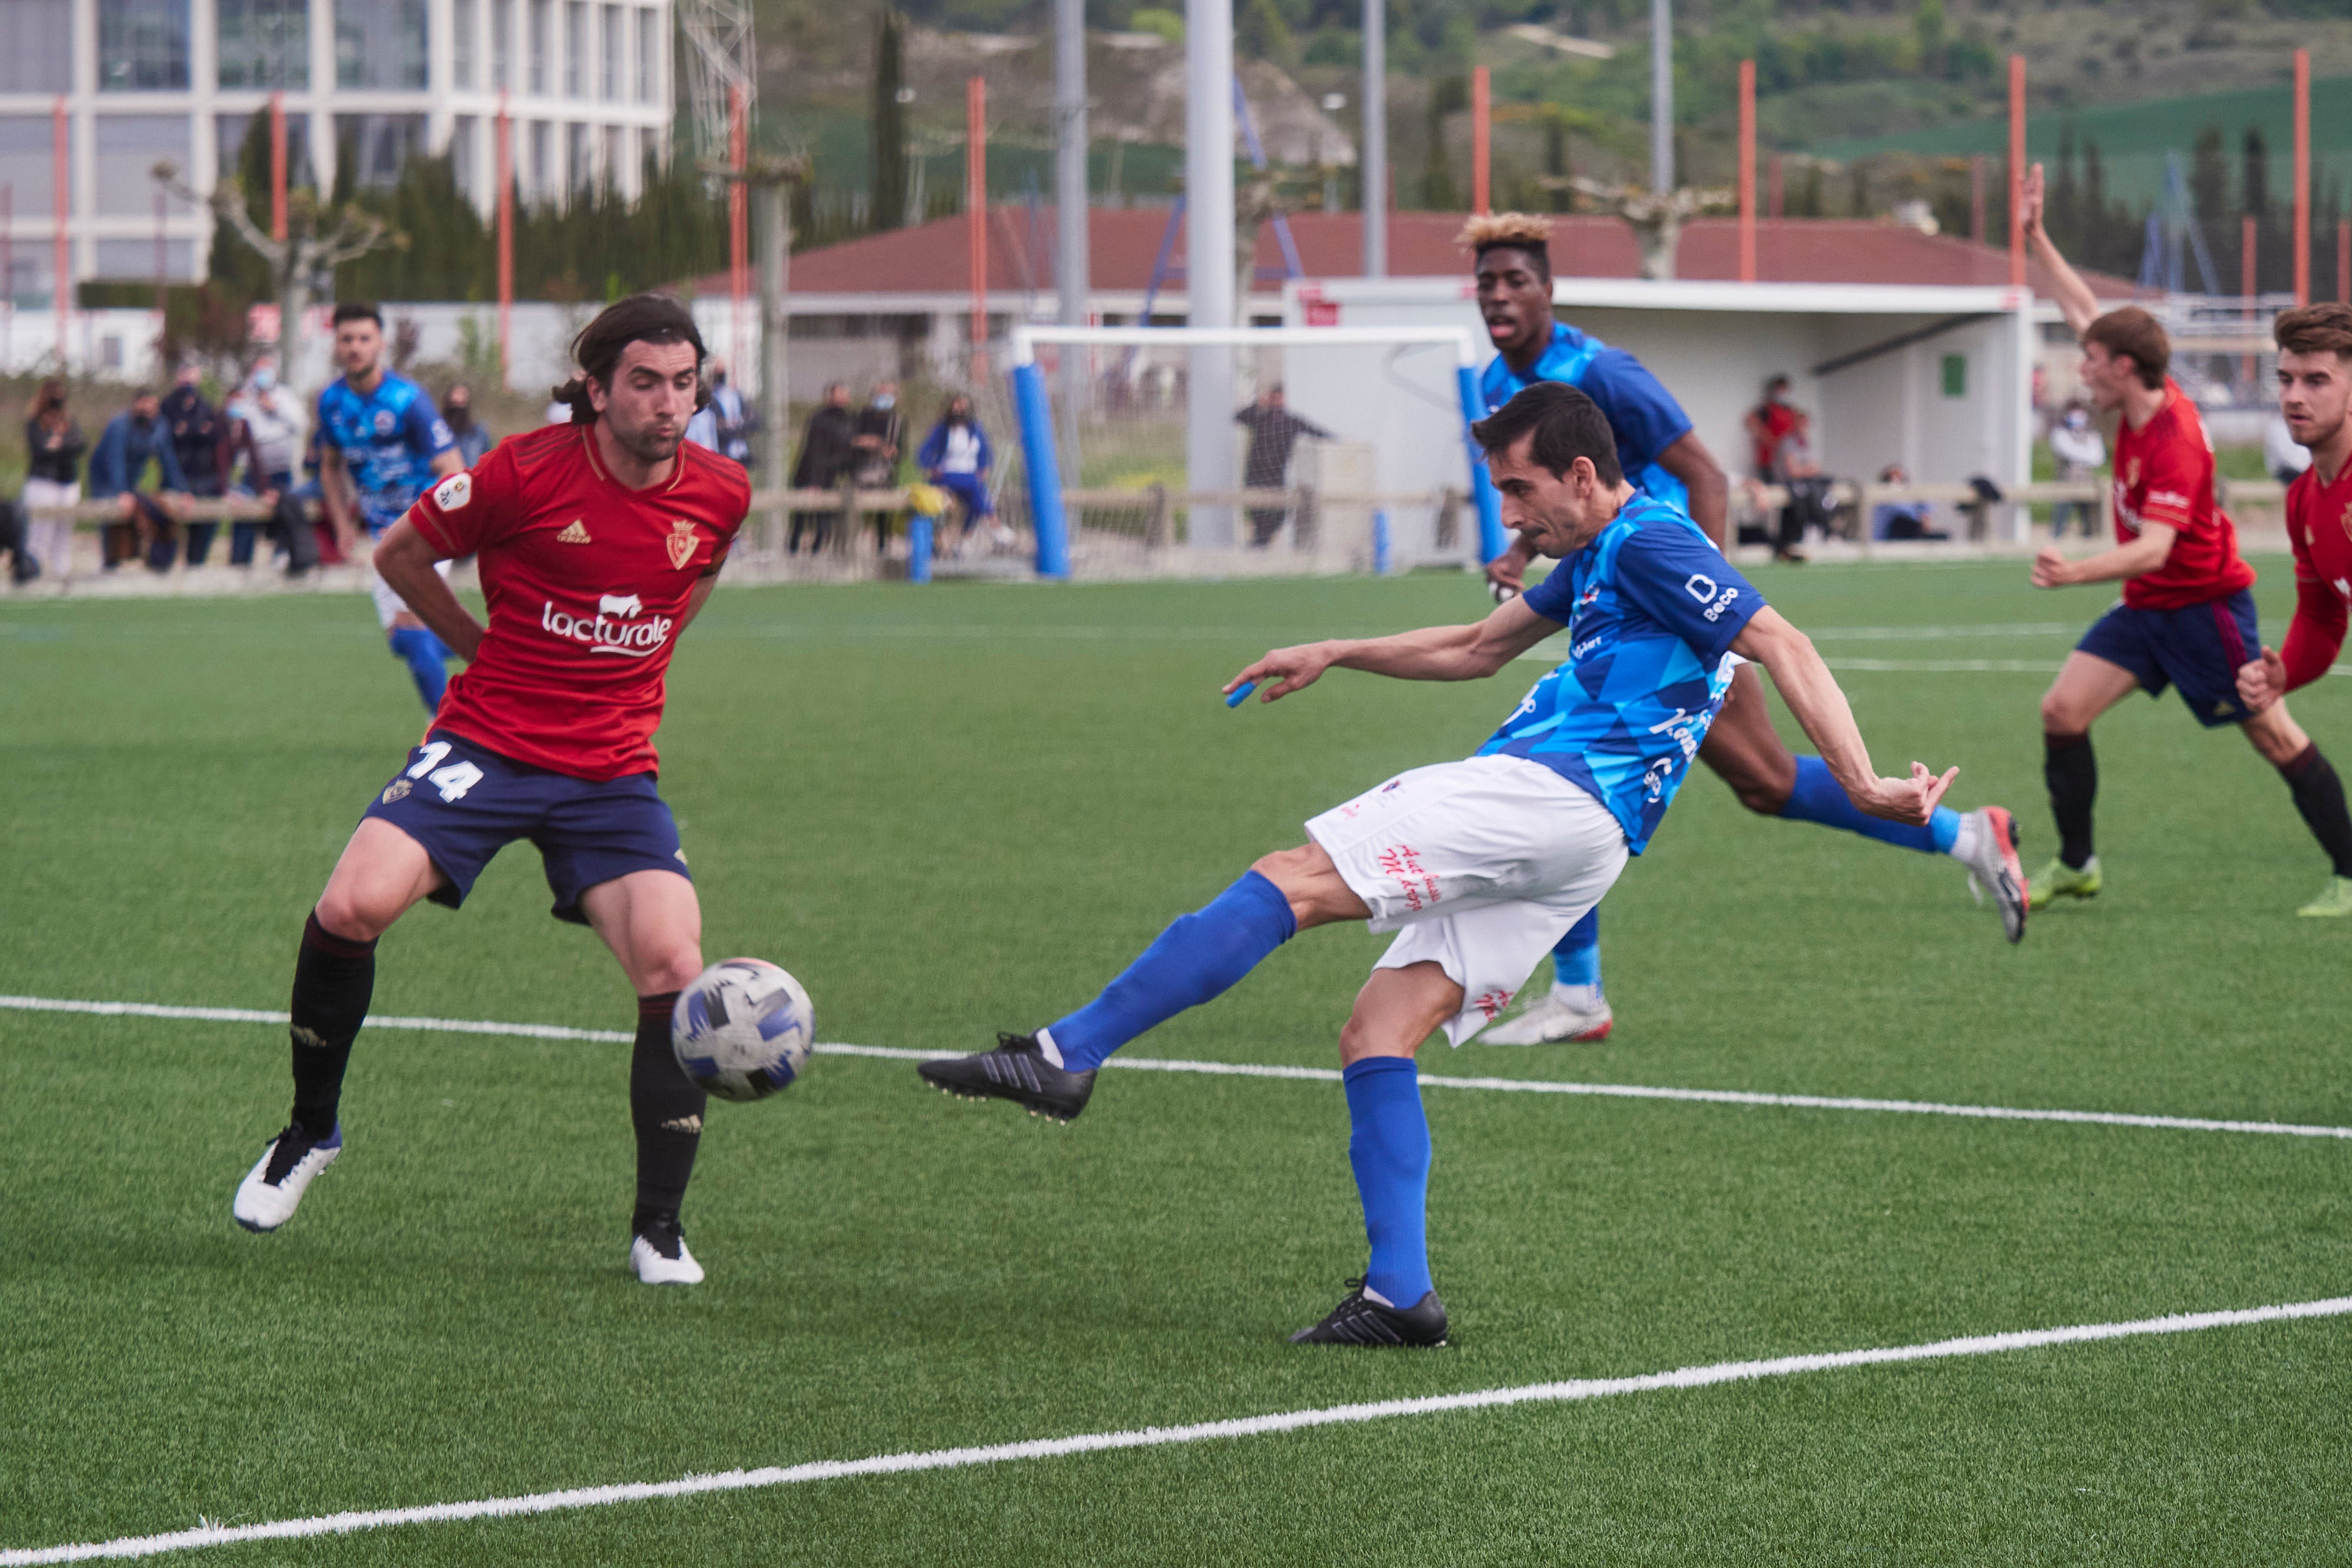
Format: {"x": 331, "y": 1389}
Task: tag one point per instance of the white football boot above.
{"x": 662, "y": 1258}
{"x": 1554, "y": 1018}
{"x": 1987, "y": 845}
{"x": 267, "y": 1198}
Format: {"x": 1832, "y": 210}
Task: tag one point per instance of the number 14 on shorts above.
{"x": 453, "y": 780}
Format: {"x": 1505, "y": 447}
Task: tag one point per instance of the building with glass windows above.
{"x": 588, "y": 83}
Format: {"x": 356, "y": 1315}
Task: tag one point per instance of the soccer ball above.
{"x": 742, "y": 1030}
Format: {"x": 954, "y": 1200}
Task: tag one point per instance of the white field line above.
{"x": 1567, "y": 1391}
{"x": 1267, "y": 1070}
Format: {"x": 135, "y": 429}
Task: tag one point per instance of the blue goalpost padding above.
{"x": 1044, "y": 462}
{"x": 1491, "y": 542}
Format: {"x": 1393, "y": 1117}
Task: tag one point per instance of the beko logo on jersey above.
{"x": 615, "y": 628}
{"x": 1701, "y": 587}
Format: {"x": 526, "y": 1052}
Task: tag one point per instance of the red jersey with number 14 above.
{"x": 586, "y": 582}
{"x": 2164, "y": 474}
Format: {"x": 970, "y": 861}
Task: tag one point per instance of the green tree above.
{"x": 890, "y": 202}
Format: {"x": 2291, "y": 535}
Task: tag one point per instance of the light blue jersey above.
{"x": 1641, "y": 412}
{"x": 389, "y": 438}
{"x": 1652, "y": 608}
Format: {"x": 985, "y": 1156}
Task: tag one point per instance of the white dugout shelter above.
{"x": 1936, "y": 378}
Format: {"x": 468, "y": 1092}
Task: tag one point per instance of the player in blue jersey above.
{"x": 384, "y": 444}
{"x": 1663, "y": 457}
{"x": 1478, "y": 865}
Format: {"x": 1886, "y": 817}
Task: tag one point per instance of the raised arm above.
{"x": 2076, "y": 301}
{"x": 1812, "y": 695}
{"x": 1432, "y": 653}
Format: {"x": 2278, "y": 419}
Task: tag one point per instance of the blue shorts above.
{"x": 2195, "y": 649}
{"x": 464, "y": 803}
{"x": 968, "y": 488}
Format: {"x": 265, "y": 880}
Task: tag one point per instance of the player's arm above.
{"x": 2142, "y": 556}
{"x": 1689, "y": 461}
{"x": 1468, "y": 653}
{"x": 2076, "y": 301}
{"x": 2314, "y": 638}
{"x": 1812, "y": 695}
{"x": 404, "y": 559}
{"x": 337, "y": 499}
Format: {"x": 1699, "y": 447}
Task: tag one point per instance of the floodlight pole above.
{"x": 1207, "y": 262}
{"x": 1372, "y": 157}
{"x": 1662, "y": 96}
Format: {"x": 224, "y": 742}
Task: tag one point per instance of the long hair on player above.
{"x": 1526, "y": 232}
{"x": 640, "y": 319}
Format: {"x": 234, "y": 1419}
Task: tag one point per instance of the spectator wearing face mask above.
{"x": 131, "y": 440}
{"x": 956, "y": 457}
{"x": 473, "y": 442}
{"x": 266, "y": 430}
{"x": 200, "y": 441}
{"x": 881, "y": 435}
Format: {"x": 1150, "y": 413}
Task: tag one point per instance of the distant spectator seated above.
{"x": 736, "y": 422}
{"x": 2081, "y": 453}
{"x": 828, "y": 455}
{"x": 1274, "y": 431}
{"x": 956, "y": 457}
{"x": 1793, "y": 468}
{"x": 1905, "y": 519}
{"x": 131, "y": 440}
{"x": 200, "y": 441}
{"x": 267, "y": 424}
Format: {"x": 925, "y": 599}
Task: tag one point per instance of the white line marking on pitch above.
{"x": 1265, "y": 1070}
{"x": 1162, "y": 1437}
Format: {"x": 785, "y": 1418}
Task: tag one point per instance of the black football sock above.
{"x": 2319, "y": 796}
{"x": 2071, "y": 772}
{"x": 333, "y": 978}
{"x": 666, "y": 1106}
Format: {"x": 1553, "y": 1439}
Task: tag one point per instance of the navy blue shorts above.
{"x": 2195, "y": 649}
{"x": 464, "y": 803}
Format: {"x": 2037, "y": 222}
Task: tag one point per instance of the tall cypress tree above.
{"x": 889, "y": 209}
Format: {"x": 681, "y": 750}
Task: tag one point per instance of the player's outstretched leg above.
{"x": 1395, "y": 1303}
{"x": 427, "y": 658}
{"x": 1574, "y": 1009}
{"x": 1196, "y": 959}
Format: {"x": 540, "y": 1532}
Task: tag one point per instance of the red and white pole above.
{"x": 1747, "y": 171}
{"x": 1482, "y": 130}
{"x": 506, "y": 243}
{"x": 2017, "y": 171}
{"x": 2303, "y": 176}
{"x": 278, "y": 167}
{"x": 975, "y": 207}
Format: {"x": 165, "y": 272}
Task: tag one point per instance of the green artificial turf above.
{"x": 960, "y": 809}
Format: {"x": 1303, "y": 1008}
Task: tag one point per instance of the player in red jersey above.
{"x": 2187, "y": 619}
{"x": 2315, "y": 376}
{"x": 598, "y": 542}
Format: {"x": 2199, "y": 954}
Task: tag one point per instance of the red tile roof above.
{"x": 934, "y": 258}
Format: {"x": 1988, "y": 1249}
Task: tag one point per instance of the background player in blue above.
{"x": 384, "y": 444}
{"x": 1660, "y": 455}
{"x": 1478, "y": 865}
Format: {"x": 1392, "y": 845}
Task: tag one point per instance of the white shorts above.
{"x": 1481, "y": 865}
{"x": 388, "y": 603}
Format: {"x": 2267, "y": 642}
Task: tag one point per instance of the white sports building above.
{"x": 588, "y": 82}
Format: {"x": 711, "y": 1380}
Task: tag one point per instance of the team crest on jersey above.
{"x": 2346, "y": 520}
{"x": 383, "y": 421}
{"x": 681, "y": 543}
{"x": 453, "y": 492}
{"x": 397, "y": 791}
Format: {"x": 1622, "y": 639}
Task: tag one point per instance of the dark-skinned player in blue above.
{"x": 1662, "y": 456}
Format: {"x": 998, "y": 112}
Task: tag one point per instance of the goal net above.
{"x": 1174, "y": 451}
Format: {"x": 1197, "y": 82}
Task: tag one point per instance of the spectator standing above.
{"x": 828, "y": 454}
{"x": 268, "y": 427}
{"x": 1794, "y": 469}
{"x": 1274, "y": 431}
{"x": 200, "y": 442}
{"x": 2081, "y": 453}
{"x": 881, "y": 436}
{"x": 54, "y": 445}
{"x": 473, "y": 442}
{"x": 131, "y": 440}
{"x": 956, "y": 457}
{"x": 734, "y": 419}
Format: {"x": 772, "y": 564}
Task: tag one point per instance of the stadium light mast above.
{"x": 1662, "y": 96}
{"x": 1209, "y": 259}
{"x": 1372, "y": 157}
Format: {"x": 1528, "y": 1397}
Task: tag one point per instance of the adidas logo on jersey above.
{"x": 573, "y": 535}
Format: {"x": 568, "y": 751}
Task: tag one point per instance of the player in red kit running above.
{"x": 598, "y": 541}
{"x": 2187, "y": 619}
{"x": 2315, "y": 376}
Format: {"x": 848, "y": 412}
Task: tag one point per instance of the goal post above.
{"x": 1043, "y": 429}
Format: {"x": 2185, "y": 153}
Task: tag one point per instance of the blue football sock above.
{"x": 1575, "y": 960}
{"x": 1194, "y": 960}
{"x": 1388, "y": 1147}
{"x": 425, "y": 655}
{"x": 1817, "y": 798}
